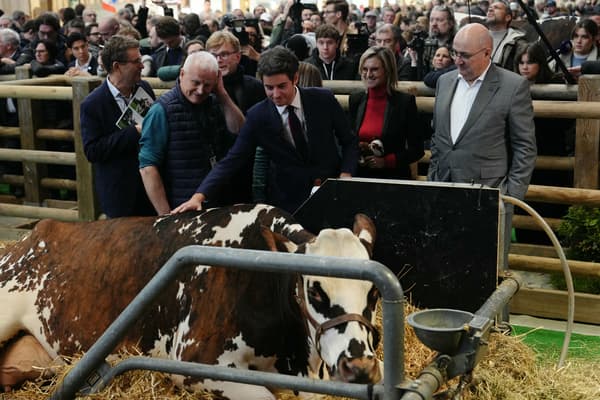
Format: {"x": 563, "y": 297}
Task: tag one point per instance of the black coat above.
{"x": 343, "y": 69}
{"x": 400, "y": 134}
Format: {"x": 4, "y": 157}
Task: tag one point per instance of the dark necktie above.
{"x": 297, "y": 134}
{"x": 174, "y": 56}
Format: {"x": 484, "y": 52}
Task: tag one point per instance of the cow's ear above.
{"x": 276, "y": 241}
{"x": 364, "y": 228}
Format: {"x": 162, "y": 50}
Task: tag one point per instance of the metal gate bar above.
{"x": 269, "y": 379}
{"x": 190, "y": 256}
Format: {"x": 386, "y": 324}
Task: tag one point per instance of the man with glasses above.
{"x": 114, "y": 150}
{"x": 506, "y": 39}
{"x": 186, "y": 132}
{"x": 245, "y": 91}
{"x": 108, "y": 27}
{"x": 483, "y": 122}
{"x": 92, "y": 34}
{"x": 336, "y": 14}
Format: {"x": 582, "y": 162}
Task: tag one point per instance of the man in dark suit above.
{"x": 298, "y": 130}
{"x": 483, "y": 122}
{"x": 114, "y": 150}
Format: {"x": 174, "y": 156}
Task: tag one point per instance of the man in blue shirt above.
{"x": 186, "y": 132}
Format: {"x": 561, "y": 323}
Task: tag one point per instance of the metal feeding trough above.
{"x": 440, "y": 329}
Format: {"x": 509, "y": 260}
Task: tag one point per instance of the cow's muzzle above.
{"x": 358, "y": 370}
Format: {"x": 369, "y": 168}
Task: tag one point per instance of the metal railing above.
{"x": 93, "y": 371}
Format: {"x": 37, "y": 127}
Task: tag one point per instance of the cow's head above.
{"x": 341, "y": 312}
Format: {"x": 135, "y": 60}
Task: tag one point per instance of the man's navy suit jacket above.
{"x": 92, "y": 65}
{"x": 332, "y": 146}
{"x": 114, "y": 153}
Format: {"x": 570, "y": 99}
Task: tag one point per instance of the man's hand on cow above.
{"x": 193, "y": 204}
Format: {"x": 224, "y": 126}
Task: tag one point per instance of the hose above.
{"x": 566, "y": 271}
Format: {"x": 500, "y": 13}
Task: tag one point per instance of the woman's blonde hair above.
{"x": 388, "y": 61}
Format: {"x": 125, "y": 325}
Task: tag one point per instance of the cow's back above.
{"x": 73, "y": 280}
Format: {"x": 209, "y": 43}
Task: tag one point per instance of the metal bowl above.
{"x": 440, "y": 329}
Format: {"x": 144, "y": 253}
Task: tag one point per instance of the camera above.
{"x": 295, "y": 13}
{"x": 417, "y": 43}
{"x": 238, "y": 28}
{"x": 358, "y": 43}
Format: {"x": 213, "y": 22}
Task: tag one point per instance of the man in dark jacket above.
{"x": 245, "y": 91}
{"x": 171, "y": 51}
{"x": 327, "y": 56}
{"x": 113, "y": 149}
{"x": 303, "y": 131}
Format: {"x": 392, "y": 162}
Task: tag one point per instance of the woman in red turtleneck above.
{"x": 384, "y": 119}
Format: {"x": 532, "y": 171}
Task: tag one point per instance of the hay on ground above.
{"x": 509, "y": 371}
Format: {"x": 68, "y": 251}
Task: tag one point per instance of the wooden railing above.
{"x": 556, "y": 101}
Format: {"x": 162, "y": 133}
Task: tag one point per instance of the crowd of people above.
{"x": 246, "y": 120}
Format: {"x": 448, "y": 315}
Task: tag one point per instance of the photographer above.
{"x": 250, "y": 56}
{"x": 289, "y": 21}
{"x": 442, "y": 28}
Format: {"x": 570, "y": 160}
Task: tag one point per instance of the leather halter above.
{"x": 330, "y": 323}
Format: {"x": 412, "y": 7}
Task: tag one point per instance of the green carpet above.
{"x": 548, "y": 344}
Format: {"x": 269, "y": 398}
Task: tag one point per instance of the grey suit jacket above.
{"x": 496, "y": 146}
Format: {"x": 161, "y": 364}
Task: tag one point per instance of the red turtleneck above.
{"x": 372, "y": 123}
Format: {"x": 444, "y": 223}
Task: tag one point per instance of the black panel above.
{"x": 440, "y": 239}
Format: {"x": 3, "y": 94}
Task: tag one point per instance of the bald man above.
{"x": 186, "y": 132}
{"x": 483, "y": 122}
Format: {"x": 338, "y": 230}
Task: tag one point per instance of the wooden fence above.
{"x": 557, "y": 101}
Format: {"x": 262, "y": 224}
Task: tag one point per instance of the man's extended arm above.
{"x": 155, "y": 189}
{"x": 153, "y": 143}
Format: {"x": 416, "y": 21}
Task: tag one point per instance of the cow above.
{"x": 66, "y": 282}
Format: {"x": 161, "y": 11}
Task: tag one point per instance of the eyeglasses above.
{"x": 95, "y": 34}
{"x": 136, "y": 61}
{"x": 223, "y": 55}
{"x": 462, "y": 55}
{"x": 41, "y": 51}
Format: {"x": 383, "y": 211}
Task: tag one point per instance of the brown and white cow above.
{"x": 66, "y": 282}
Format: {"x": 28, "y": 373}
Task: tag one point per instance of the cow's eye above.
{"x": 314, "y": 295}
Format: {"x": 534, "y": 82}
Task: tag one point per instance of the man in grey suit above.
{"x": 483, "y": 122}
